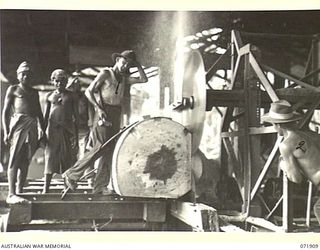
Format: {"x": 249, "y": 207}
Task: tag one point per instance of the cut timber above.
{"x": 153, "y": 159}
{"x": 264, "y": 224}
{"x": 199, "y": 216}
{"x": 87, "y": 207}
{"x": 228, "y": 227}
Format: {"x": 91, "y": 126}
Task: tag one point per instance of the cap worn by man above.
{"x": 24, "y": 66}
{"x": 281, "y": 112}
{"x": 59, "y": 73}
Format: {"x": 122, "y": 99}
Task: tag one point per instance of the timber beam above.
{"x": 235, "y": 98}
{"x": 86, "y": 207}
{"x": 199, "y": 217}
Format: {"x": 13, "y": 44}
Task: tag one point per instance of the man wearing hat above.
{"x": 21, "y": 114}
{"x": 300, "y": 149}
{"x": 106, "y": 93}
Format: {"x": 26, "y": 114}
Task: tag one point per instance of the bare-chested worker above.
{"x": 300, "y": 149}
{"x": 21, "y": 114}
{"x": 106, "y": 93}
{"x": 61, "y": 117}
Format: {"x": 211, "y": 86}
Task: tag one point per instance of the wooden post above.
{"x": 246, "y": 140}
{"x": 266, "y": 167}
{"x": 309, "y": 204}
{"x": 287, "y": 205}
{"x": 252, "y": 163}
{"x": 315, "y": 59}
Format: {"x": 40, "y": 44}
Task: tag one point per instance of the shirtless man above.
{"x": 106, "y": 93}
{"x": 21, "y": 129}
{"x": 61, "y": 118}
{"x": 300, "y": 149}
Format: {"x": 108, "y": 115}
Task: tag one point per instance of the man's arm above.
{"x": 6, "y": 113}
{"x": 290, "y": 165}
{"x": 142, "y": 75}
{"x": 93, "y": 89}
{"x": 47, "y": 111}
{"x": 39, "y": 113}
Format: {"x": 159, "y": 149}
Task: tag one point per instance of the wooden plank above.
{"x": 275, "y": 36}
{"x": 230, "y": 228}
{"x": 97, "y": 210}
{"x": 235, "y": 98}
{"x": 244, "y": 50}
{"x": 308, "y": 64}
{"x": 306, "y": 118}
{"x": 234, "y": 161}
{"x": 154, "y": 212}
{"x": 239, "y": 217}
{"x": 38, "y": 198}
{"x": 213, "y": 69}
{"x": 315, "y": 59}
{"x": 291, "y": 78}
{"x": 246, "y": 143}
{"x": 264, "y": 224}
{"x": 308, "y": 212}
{"x": 199, "y": 216}
{"x": 252, "y": 131}
{"x": 20, "y": 213}
{"x": 264, "y": 80}
{"x": 235, "y": 72}
{"x": 266, "y": 167}
{"x": 287, "y": 204}
{"x": 274, "y": 208}
{"x": 84, "y": 225}
{"x": 236, "y": 39}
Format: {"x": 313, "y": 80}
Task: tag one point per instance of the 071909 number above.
{"x": 309, "y": 246}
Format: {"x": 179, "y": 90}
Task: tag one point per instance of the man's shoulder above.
{"x": 297, "y": 139}
{"x": 106, "y": 71}
{"x": 103, "y": 75}
{"x": 16, "y": 89}
{"x": 291, "y": 140}
{"x": 12, "y": 88}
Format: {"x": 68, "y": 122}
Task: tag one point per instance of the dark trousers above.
{"x": 100, "y": 134}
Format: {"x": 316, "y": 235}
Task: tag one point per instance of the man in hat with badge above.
{"x": 106, "y": 93}
{"x": 300, "y": 149}
{"x": 21, "y": 114}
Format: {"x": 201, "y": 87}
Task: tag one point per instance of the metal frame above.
{"x": 246, "y": 94}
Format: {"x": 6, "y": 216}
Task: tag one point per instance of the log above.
{"x": 153, "y": 159}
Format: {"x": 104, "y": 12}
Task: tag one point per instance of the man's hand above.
{"x": 102, "y": 114}
{"x": 6, "y": 139}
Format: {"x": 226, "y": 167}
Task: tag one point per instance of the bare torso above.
{"x": 25, "y": 101}
{"x": 112, "y": 89}
{"x": 61, "y": 107}
{"x": 304, "y": 147}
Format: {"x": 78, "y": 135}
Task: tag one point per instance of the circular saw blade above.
{"x": 190, "y": 88}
